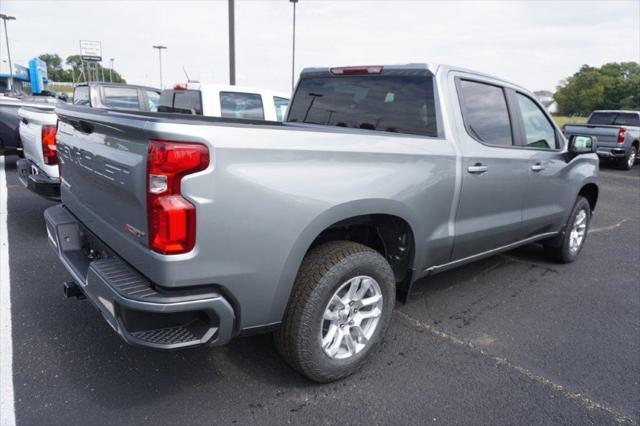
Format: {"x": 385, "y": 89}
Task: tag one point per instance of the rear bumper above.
{"x": 140, "y": 312}
{"x": 40, "y": 183}
{"x": 612, "y": 152}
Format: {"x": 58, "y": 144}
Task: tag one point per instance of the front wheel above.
{"x": 339, "y": 310}
{"x": 566, "y": 247}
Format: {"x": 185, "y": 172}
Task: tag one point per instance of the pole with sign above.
{"x": 90, "y": 52}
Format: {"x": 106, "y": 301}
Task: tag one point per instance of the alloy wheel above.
{"x": 351, "y": 317}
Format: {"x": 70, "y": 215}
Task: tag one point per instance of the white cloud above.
{"x": 534, "y": 43}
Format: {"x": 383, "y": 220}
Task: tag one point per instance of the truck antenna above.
{"x": 185, "y": 73}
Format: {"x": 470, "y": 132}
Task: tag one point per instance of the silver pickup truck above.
{"x": 618, "y": 134}
{"x": 187, "y": 230}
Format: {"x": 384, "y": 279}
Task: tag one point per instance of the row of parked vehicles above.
{"x": 205, "y": 214}
{"x": 35, "y": 119}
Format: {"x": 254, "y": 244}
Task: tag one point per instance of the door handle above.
{"x": 537, "y": 167}
{"x": 477, "y": 169}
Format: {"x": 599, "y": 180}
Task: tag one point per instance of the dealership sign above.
{"x": 91, "y": 50}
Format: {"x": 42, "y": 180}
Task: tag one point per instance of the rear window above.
{"x": 181, "y": 101}
{"x": 398, "y": 104}
{"x": 81, "y": 95}
{"x": 121, "y": 97}
{"x": 615, "y": 119}
{"x": 241, "y": 105}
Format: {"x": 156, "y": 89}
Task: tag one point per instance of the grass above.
{"x": 563, "y": 119}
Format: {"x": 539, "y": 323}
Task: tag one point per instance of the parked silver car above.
{"x": 187, "y": 230}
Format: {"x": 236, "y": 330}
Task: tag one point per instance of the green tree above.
{"x": 75, "y": 62}
{"x": 612, "y": 86}
{"x": 54, "y": 67}
{"x": 74, "y": 70}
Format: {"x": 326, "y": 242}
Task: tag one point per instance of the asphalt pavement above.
{"x": 511, "y": 339}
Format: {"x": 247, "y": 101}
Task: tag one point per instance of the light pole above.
{"x": 232, "y": 44}
{"x": 293, "y": 52}
{"x": 160, "y": 48}
{"x": 111, "y": 71}
{"x": 6, "y": 18}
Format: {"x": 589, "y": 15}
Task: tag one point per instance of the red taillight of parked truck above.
{"x": 48, "y": 139}
{"x": 622, "y": 134}
{"x": 171, "y": 217}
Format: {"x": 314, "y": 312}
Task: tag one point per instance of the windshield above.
{"x": 398, "y": 104}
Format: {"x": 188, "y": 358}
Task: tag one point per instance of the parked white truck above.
{"x": 38, "y": 171}
{"x": 216, "y": 100}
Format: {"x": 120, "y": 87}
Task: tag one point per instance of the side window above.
{"x": 281, "y": 105}
{"x": 538, "y": 130}
{"x": 187, "y": 102}
{"x": 81, "y": 96}
{"x": 121, "y": 97}
{"x": 485, "y": 113}
{"x": 241, "y": 105}
{"x": 153, "y": 100}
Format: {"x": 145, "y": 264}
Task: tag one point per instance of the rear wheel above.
{"x": 340, "y": 308}
{"x": 628, "y": 162}
{"x": 566, "y": 247}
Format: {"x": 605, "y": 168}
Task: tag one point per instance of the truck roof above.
{"x": 626, "y": 111}
{"x": 106, "y": 83}
{"x": 414, "y": 68}
{"x": 193, "y": 85}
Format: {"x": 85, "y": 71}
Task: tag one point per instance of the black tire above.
{"x": 558, "y": 248}
{"x": 627, "y": 163}
{"x": 323, "y": 271}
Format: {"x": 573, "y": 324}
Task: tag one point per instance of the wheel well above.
{"x": 590, "y": 192}
{"x": 636, "y": 144}
{"x": 389, "y": 235}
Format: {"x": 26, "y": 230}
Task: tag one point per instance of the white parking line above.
{"x": 7, "y": 410}
{"x": 578, "y": 397}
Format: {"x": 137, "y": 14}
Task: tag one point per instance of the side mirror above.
{"x": 581, "y": 144}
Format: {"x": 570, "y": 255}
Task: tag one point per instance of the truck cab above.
{"x": 117, "y": 96}
{"x": 215, "y": 100}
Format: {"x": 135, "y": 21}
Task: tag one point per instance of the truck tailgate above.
{"x": 607, "y": 135}
{"x": 31, "y": 121}
{"x": 103, "y": 171}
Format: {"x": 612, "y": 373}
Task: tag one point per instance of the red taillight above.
{"x": 172, "y": 219}
{"x": 368, "y": 69}
{"x": 180, "y": 87}
{"x": 49, "y": 150}
{"x": 622, "y": 133}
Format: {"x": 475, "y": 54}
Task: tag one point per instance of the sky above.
{"x": 532, "y": 43}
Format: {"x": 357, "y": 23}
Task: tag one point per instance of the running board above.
{"x": 450, "y": 265}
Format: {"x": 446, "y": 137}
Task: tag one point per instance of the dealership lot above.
{"x": 510, "y": 339}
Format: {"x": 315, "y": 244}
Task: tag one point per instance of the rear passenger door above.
{"x": 495, "y": 171}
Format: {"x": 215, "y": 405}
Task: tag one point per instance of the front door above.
{"x": 545, "y": 206}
